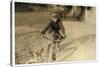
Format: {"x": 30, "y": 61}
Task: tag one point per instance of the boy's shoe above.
{"x": 53, "y": 57}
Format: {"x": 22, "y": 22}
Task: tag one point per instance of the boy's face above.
{"x": 54, "y": 15}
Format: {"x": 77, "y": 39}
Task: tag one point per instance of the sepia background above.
{"x": 79, "y": 23}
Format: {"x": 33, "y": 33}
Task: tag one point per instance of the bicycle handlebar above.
{"x": 44, "y": 36}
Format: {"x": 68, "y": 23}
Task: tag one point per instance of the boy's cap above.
{"x": 54, "y": 15}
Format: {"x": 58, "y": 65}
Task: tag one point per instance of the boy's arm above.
{"x": 46, "y": 28}
{"x": 62, "y": 27}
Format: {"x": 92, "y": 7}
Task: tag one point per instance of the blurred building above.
{"x": 22, "y": 7}
{"x": 76, "y": 12}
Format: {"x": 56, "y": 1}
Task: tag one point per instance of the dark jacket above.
{"x": 54, "y": 26}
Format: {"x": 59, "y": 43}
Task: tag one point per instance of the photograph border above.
{"x": 13, "y": 39}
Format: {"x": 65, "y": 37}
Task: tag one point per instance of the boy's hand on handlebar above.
{"x": 42, "y": 32}
{"x": 64, "y": 35}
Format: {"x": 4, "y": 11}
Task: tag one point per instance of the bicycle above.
{"x": 53, "y": 48}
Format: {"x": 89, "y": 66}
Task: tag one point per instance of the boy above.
{"x": 55, "y": 26}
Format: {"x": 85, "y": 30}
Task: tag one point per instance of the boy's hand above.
{"x": 43, "y": 32}
{"x": 64, "y": 35}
